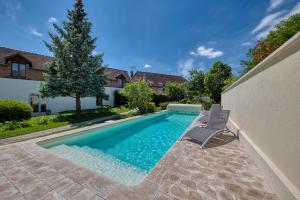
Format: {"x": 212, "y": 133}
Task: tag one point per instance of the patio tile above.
{"x": 38, "y": 192}
{"x": 84, "y": 194}
{"x": 62, "y": 184}
{"x": 52, "y": 195}
{"x": 7, "y": 190}
{"x": 70, "y": 191}
{"x": 27, "y": 184}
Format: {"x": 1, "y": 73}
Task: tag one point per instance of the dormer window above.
{"x": 18, "y": 70}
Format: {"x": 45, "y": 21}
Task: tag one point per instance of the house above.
{"x": 157, "y": 81}
{"x": 21, "y": 73}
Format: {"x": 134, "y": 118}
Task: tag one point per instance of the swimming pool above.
{"x": 125, "y": 152}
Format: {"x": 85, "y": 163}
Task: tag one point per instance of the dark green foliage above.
{"x": 164, "y": 105}
{"x": 74, "y": 70}
{"x": 120, "y": 100}
{"x": 214, "y": 79}
{"x": 275, "y": 38}
{"x": 14, "y": 110}
{"x": 196, "y": 82}
{"x": 150, "y": 107}
{"x": 176, "y": 91}
{"x": 13, "y": 125}
{"x": 159, "y": 98}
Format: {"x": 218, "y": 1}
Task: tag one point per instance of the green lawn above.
{"x": 52, "y": 121}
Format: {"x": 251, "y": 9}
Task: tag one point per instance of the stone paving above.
{"x": 224, "y": 171}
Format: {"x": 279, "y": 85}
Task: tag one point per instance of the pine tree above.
{"x": 74, "y": 70}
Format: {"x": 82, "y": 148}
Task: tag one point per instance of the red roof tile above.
{"x": 157, "y": 80}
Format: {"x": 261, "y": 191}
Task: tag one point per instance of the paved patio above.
{"x": 225, "y": 171}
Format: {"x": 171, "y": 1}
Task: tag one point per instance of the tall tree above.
{"x": 215, "y": 79}
{"x": 74, "y": 70}
{"x": 196, "y": 82}
{"x": 275, "y": 38}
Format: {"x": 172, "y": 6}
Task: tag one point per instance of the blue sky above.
{"x": 169, "y": 36}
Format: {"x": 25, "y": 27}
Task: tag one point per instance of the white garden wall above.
{"x": 265, "y": 106}
{"x": 22, "y": 89}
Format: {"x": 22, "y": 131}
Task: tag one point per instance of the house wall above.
{"x": 21, "y": 90}
{"x": 265, "y": 106}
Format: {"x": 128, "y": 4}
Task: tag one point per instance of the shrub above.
{"x": 150, "y": 107}
{"x": 176, "y": 91}
{"x": 12, "y": 125}
{"x": 120, "y": 100}
{"x": 139, "y": 94}
{"x": 164, "y": 105}
{"x": 14, "y": 110}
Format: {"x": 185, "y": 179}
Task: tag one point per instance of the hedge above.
{"x": 14, "y": 110}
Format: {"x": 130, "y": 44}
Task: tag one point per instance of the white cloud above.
{"x": 147, "y": 66}
{"x": 184, "y": 67}
{"x": 268, "y": 24}
{"x": 246, "y": 43}
{"x": 274, "y": 4}
{"x": 52, "y": 20}
{"x": 207, "y": 52}
{"x": 34, "y": 32}
{"x": 267, "y": 21}
{"x": 11, "y": 8}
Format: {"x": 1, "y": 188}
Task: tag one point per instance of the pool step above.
{"x": 101, "y": 163}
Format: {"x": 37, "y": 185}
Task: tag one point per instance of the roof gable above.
{"x": 37, "y": 60}
{"x": 113, "y": 74}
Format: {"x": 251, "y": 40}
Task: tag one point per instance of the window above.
{"x": 22, "y": 70}
{"x": 18, "y": 70}
{"x": 14, "y": 69}
{"x": 120, "y": 83}
{"x": 99, "y": 101}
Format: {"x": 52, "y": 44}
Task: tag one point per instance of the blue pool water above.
{"x": 124, "y": 152}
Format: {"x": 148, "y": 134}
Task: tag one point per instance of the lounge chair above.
{"x": 215, "y": 126}
{"x": 215, "y": 111}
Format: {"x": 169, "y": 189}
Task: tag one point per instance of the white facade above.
{"x": 23, "y": 89}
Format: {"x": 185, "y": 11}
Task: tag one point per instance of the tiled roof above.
{"x": 157, "y": 80}
{"x": 37, "y": 60}
{"x": 112, "y": 73}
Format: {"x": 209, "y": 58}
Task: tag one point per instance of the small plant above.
{"x": 12, "y": 125}
{"x": 43, "y": 121}
{"x": 150, "y": 107}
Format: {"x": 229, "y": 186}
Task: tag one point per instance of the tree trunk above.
{"x": 78, "y": 104}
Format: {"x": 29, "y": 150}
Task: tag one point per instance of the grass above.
{"x": 52, "y": 121}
